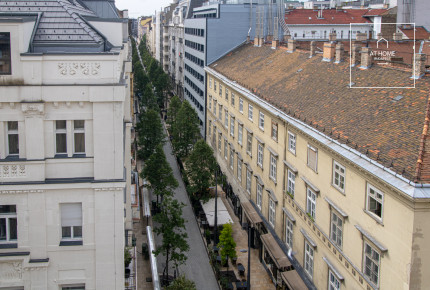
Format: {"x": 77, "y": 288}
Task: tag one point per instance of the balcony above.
{"x": 130, "y": 281}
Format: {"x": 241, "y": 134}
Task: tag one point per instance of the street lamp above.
{"x": 216, "y": 208}
{"x": 248, "y": 285}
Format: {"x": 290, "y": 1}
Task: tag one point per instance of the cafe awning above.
{"x": 293, "y": 280}
{"x": 251, "y": 213}
{"x": 275, "y": 251}
{"x": 223, "y": 216}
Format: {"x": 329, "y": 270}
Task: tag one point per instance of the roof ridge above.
{"x": 424, "y": 136}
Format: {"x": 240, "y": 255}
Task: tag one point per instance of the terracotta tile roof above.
{"x": 420, "y": 33}
{"x": 330, "y": 16}
{"x": 373, "y": 121}
{"x": 375, "y": 12}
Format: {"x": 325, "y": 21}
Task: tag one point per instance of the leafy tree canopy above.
{"x": 186, "y": 131}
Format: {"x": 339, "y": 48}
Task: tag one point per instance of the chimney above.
{"x": 332, "y": 36}
{"x": 291, "y": 45}
{"x": 256, "y": 39}
{"x": 275, "y": 43}
{"x": 419, "y": 66}
{"x": 355, "y": 54}
{"x": 248, "y": 39}
{"x": 312, "y": 49}
{"x": 328, "y": 52}
{"x": 339, "y": 52}
{"x": 366, "y": 58}
{"x": 397, "y": 36}
{"x": 361, "y": 36}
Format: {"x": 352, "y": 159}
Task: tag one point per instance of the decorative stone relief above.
{"x": 12, "y": 171}
{"x": 33, "y": 109}
{"x": 79, "y": 68}
{"x": 21, "y": 191}
{"x": 10, "y": 271}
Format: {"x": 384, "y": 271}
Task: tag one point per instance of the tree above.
{"x": 159, "y": 174}
{"x": 182, "y": 283}
{"x": 174, "y": 106}
{"x": 186, "y": 130}
{"x": 201, "y": 165}
{"x": 227, "y": 243}
{"x": 149, "y": 101}
{"x": 171, "y": 225}
{"x": 150, "y": 132}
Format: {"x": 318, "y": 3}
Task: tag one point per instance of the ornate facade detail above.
{"x": 33, "y": 109}
{"x": 109, "y": 189}
{"x": 79, "y": 68}
{"x": 21, "y": 191}
{"x": 10, "y": 271}
{"x": 12, "y": 170}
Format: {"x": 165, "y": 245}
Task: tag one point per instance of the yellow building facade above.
{"x": 350, "y": 222}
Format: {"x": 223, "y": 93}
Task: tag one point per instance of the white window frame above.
{"x": 226, "y": 94}
{"x": 225, "y": 149}
{"x": 333, "y": 281}
{"x": 72, "y": 228}
{"x": 274, "y": 132}
{"x": 220, "y": 112}
{"x": 314, "y": 150}
{"x": 311, "y": 202}
{"x": 231, "y": 158}
{"x": 292, "y": 142}
{"x": 378, "y": 196}
{"x": 291, "y": 182}
{"x": 232, "y": 99}
{"x": 336, "y": 229}
{"x": 239, "y": 169}
{"x": 214, "y": 134}
{"x": 248, "y": 180}
{"x": 219, "y": 142}
{"x": 273, "y": 167}
{"x": 249, "y": 143}
{"x": 62, "y": 132}
{"x": 12, "y": 132}
{"x": 215, "y": 85}
{"x": 240, "y": 134}
{"x": 289, "y": 232}
{"x": 261, "y": 121}
{"x": 7, "y": 217}
{"x": 272, "y": 212}
{"x": 371, "y": 258}
{"x": 215, "y": 104}
{"x": 210, "y": 103}
{"x": 339, "y": 174}
{"x": 210, "y": 128}
{"x": 260, "y": 154}
{"x": 210, "y": 83}
{"x": 250, "y": 112}
{"x": 231, "y": 126}
{"x": 220, "y": 90}
{"x": 309, "y": 259}
{"x": 226, "y": 118}
{"x": 259, "y": 195}
{"x": 241, "y": 105}
{"x": 78, "y": 131}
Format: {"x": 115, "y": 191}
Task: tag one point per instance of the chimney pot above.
{"x": 355, "y": 54}
{"x": 275, "y": 44}
{"x": 419, "y": 69}
{"x": 312, "y": 49}
{"x": 291, "y": 45}
{"x": 329, "y": 51}
{"x": 366, "y": 58}
{"x": 339, "y": 52}
{"x": 332, "y": 37}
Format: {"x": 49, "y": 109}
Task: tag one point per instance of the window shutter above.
{"x": 71, "y": 214}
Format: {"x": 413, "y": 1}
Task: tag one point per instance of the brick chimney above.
{"x": 397, "y": 36}
{"x": 275, "y": 43}
{"x": 329, "y": 51}
{"x": 291, "y": 45}
{"x": 361, "y": 36}
{"x": 420, "y": 66}
{"x": 355, "y": 54}
{"x": 312, "y": 49}
{"x": 256, "y": 41}
{"x": 339, "y": 52}
{"x": 366, "y": 58}
{"x": 332, "y": 37}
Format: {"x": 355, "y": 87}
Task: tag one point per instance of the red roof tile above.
{"x": 375, "y": 12}
{"x": 330, "y": 16}
{"x": 420, "y": 33}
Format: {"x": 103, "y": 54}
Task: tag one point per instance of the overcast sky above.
{"x": 138, "y": 8}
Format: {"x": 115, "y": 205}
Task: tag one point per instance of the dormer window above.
{"x": 5, "y": 59}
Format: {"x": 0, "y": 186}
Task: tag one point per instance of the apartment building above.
{"x": 65, "y": 120}
{"x": 337, "y": 176}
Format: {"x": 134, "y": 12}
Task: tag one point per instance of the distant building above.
{"x": 414, "y": 11}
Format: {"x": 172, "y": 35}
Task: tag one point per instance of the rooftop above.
{"x": 419, "y": 33}
{"x": 390, "y": 121}
{"x": 329, "y": 16}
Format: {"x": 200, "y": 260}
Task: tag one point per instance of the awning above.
{"x": 223, "y": 217}
{"x": 278, "y": 256}
{"x": 293, "y": 280}
{"x": 251, "y": 213}
{"x": 153, "y": 259}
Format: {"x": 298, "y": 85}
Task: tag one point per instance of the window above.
{"x": 291, "y": 183}
{"x": 8, "y": 224}
{"x": 241, "y": 105}
{"x": 240, "y": 134}
{"x": 333, "y": 282}
{"x": 311, "y": 202}
{"x": 210, "y": 102}
{"x": 79, "y": 136}
{"x": 232, "y": 99}
{"x": 272, "y": 212}
{"x": 371, "y": 263}
{"x": 226, "y": 118}
{"x": 336, "y": 229}
{"x": 273, "y": 166}
{"x": 309, "y": 259}
{"x": 232, "y": 126}
{"x": 312, "y": 158}
{"x": 289, "y": 233}
{"x": 259, "y": 195}
{"x": 214, "y": 135}
{"x": 12, "y": 138}
{"x": 292, "y": 142}
{"x": 248, "y": 181}
{"x": 239, "y": 169}
{"x": 72, "y": 287}
{"x": 210, "y": 83}
{"x": 60, "y": 137}
{"x": 375, "y": 199}
{"x": 219, "y": 142}
{"x": 260, "y": 154}
{"x": 215, "y": 85}
{"x": 225, "y": 149}
{"x": 231, "y": 158}
{"x": 210, "y": 128}
{"x": 226, "y": 94}
{"x": 250, "y": 112}
{"x": 249, "y": 144}
{"x": 215, "y": 104}
{"x": 220, "y": 113}
{"x": 275, "y": 131}
{"x": 338, "y": 176}
{"x": 71, "y": 221}
{"x": 261, "y": 121}
{"x": 5, "y": 58}
{"x": 220, "y": 90}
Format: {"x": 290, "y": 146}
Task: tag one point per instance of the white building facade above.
{"x": 65, "y": 148}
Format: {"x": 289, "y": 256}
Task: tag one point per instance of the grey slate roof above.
{"x": 60, "y": 22}
{"x": 103, "y": 8}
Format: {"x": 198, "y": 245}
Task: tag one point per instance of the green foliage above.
{"x": 171, "y": 224}
{"x": 186, "y": 131}
{"x": 148, "y": 101}
{"x": 227, "y": 243}
{"x": 172, "y": 113}
{"x": 182, "y": 283}
{"x": 127, "y": 257}
{"x": 150, "y": 132}
{"x": 159, "y": 174}
{"x": 201, "y": 166}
